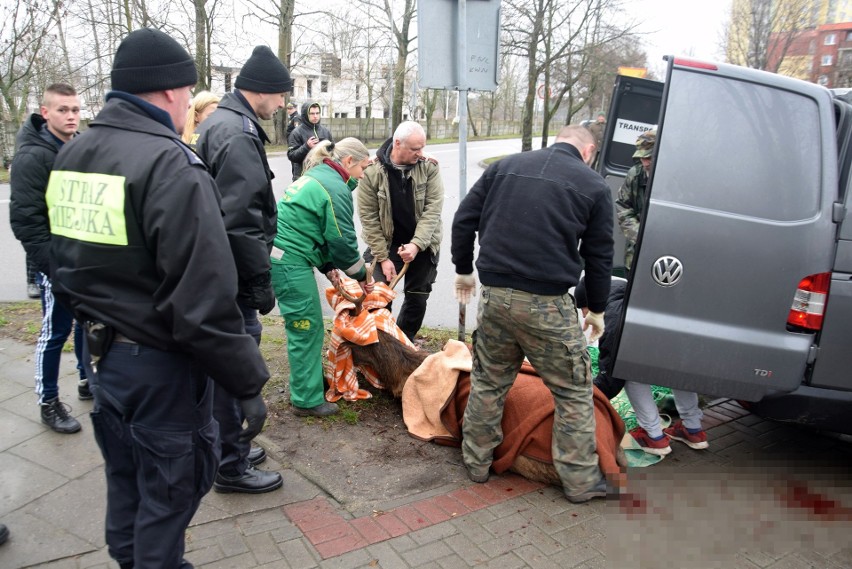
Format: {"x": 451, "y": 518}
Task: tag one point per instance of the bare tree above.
{"x": 100, "y": 27}
{"x": 397, "y": 20}
{"x": 502, "y": 103}
{"x": 24, "y": 27}
{"x": 511, "y": 85}
{"x": 577, "y": 24}
{"x": 431, "y": 98}
{"x": 523, "y": 26}
{"x": 202, "y": 43}
{"x": 363, "y": 46}
{"x": 281, "y": 14}
{"x": 60, "y": 12}
{"x": 762, "y": 31}
{"x": 590, "y": 92}
{"x": 844, "y": 70}
{"x": 555, "y": 39}
{"x": 368, "y": 72}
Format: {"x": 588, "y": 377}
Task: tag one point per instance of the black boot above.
{"x": 256, "y": 455}
{"x": 83, "y": 391}
{"x": 55, "y": 415}
{"x": 253, "y": 481}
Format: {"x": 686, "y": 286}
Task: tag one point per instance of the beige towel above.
{"x": 429, "y": 387}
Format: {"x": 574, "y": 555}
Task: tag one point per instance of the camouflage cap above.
{"x": 645, "y": 144}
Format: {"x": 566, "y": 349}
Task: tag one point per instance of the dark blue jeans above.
{"x": 153, "y": 421}
{"x": 229, "y": 414}
{"x": 56, "y": 324}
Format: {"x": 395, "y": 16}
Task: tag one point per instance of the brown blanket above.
{"x": 435, "y": 397}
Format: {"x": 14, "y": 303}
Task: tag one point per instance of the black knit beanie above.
{"x": 148, "y": 60}
{"x": 263, "y": 73}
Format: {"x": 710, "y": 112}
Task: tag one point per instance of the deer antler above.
{"x": 398, "y": 276}
{"x": 357, "y": 301}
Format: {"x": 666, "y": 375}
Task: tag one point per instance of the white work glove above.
{"x": 596, "y": 321}
{"x": 465, "y": 288}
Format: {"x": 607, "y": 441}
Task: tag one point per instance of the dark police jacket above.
{"x": 139, "y": 243}
{"x": 34, "y": 156}
{"x": 231, "y": 143}
{"x": 537, "y": 213}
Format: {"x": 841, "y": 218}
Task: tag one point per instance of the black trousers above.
{"x": 418, "y": 281}
{"x": 229, "y": 414}
{"x": 154, "y": 424}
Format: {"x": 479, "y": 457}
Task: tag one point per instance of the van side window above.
{"x": 758, "y": 152}
{"x": 843, "y": 118}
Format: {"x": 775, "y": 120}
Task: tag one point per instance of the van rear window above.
{"x": 757, "y": 152}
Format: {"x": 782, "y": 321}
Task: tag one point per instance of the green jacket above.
{"x": 315, "y": 223}
{"x": 630, "y": 208}
{"x": 375, "y": 212}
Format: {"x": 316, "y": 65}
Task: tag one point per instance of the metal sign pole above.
{"x": 475, "y": 48}
{"x": 461, "y": 29}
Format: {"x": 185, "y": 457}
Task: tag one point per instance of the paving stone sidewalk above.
{"x": 764, "y": 495}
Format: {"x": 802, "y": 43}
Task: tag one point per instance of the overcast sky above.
{"x": 678, "y": 27}
{"x": 681, "y": 27}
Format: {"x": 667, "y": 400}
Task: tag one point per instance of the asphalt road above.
{"x": 443, "y": 309}
{"x": 13, "y": 277}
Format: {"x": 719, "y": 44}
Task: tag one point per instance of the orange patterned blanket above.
{"x": 361, "y": 329}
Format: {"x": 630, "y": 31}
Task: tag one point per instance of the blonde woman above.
{"x": 202, "y": 106}
{"x": 315, "y": 229}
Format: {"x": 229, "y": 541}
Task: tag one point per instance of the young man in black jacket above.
{"x": 39, "y": 140}
{"x": 305, "y": 136}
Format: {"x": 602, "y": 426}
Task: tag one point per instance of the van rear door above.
{"x": 739, "y": 211}
{"x": 635, "y": 108}
{"x": 831, "y": 369}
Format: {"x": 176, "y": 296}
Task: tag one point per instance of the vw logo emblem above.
{"x": 667, "y": 271}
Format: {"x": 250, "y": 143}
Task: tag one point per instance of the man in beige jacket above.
{"x": 399, "y": 203}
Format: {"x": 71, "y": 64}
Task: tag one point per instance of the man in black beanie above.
{"x": 231, "y": 142}
{"x": 135, "y": 218}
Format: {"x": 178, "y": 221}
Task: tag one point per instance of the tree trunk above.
{"x": 529, "y": 104}
{"x": 469, "y": 118}
{"x": 545, "y": 113}
{"x": 398, "y": 86}
{"x": 285, "y": 54}
{"x": 430, "y": 103}
{"x": 201, "y": 63}
{"x": 61, "y": 33}
{"x": 492, "y": 107}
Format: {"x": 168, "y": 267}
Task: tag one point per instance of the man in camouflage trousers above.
{"x": 539, "y": 215}
{"x": 630, "y": 204}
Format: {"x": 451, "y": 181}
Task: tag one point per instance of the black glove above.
{"x": 259, "y": 294}
{"x": 254, "y": 410}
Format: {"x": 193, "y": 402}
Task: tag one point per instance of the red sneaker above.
{"x": 678, "y": 432}
{"x": 659, "y": 447}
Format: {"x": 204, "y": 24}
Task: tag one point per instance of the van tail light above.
{"x": 694, "y": 63}
{"x": 808, "y": 307}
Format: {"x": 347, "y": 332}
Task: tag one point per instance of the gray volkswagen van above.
{"x": 741, "y": 285}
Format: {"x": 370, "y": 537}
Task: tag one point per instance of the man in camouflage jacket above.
{"x": 630, "y": 205}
